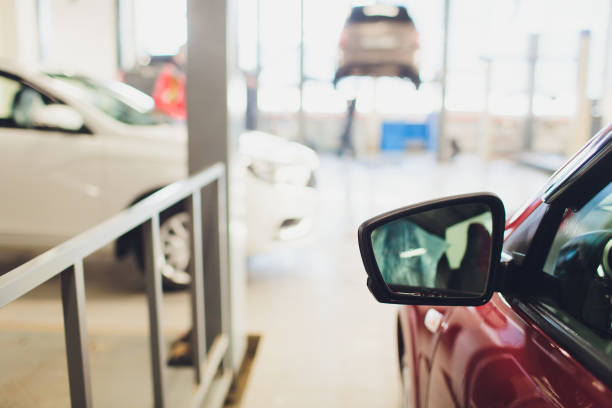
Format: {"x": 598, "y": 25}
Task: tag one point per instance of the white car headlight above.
{"x": 279, "y": 173}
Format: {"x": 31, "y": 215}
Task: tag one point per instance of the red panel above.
{"x": 516, "y": 220}
{"x": 490, "y": 356}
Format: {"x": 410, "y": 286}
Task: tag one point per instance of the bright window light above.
{"x": 278, "y": 99}
{"x": 160, "y": 26}
{"x": 381, "y": 10}
{"x": 321, "y": 97}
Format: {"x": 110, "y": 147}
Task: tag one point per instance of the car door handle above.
{"x": 433, "y": 320}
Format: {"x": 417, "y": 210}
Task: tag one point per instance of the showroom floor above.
{"x": 324, "y": 340}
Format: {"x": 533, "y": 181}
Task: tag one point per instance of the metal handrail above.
{"x": 66, "y": 260}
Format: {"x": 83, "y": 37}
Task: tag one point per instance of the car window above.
{"x": 119, "y": 101}
{"x": 580, "y": 260}
{"x": 18, "y": 102}
{"x": 8, "y": 89}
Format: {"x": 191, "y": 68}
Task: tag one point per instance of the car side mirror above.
{"x": 58, "y": 116}
{"x": 441, "y": 252}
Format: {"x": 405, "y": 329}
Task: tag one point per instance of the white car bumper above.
{"x": 278, "y": 214}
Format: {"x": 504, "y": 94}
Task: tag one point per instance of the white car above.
{"x": 75, "y": 151}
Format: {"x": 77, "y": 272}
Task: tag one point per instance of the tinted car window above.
{"x": 580, "y": 260}
{"x": 8, "y": 89}
{"x": 18, "y": 103}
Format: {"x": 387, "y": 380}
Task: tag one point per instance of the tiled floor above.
{"x": 325, "y": 341}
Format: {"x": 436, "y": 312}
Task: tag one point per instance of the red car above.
{"x": 499, "y": 313}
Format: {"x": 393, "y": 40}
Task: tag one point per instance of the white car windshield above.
{"x": 120, "y": 101}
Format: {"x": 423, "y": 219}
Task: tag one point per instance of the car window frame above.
{"x": 537, "y": 252}
{"x": 84, "y": 130}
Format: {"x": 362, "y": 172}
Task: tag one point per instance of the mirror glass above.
{"x": 444, "y": 251}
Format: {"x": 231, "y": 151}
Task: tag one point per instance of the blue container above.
{"x": 396, "y": 135}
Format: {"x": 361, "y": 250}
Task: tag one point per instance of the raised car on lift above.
{"x": 378, "y": 40}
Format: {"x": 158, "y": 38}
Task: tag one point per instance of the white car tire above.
{"x": 175, "y": 238}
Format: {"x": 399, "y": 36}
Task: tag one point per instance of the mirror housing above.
{"x": 58, "y": 116}
{"x": 427, "y": 225}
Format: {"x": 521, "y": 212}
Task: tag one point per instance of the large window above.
{"x": 160, "y": 26}
{"x": 150, "y": 28}
{"x": 499, "y": 32}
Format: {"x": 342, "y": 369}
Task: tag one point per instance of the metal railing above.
{"x": 205, "y": 196}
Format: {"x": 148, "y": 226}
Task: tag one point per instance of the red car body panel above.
{"x": 493, "y": 356}
{"x": 496, "y": 355}
{"x": 521, "y": 216}
{"x": 419, "y": 345}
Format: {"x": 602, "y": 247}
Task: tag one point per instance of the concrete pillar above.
{"x": 581, "y": 131}
{"x": 444, "y": 150}
{"x": 484, "y": 145}
{"x": 127, "y": 51}
{"x": 216, "y": 103}
{"x": 606, "y": 89}
{"x": 301, "y": 116}
{"x": 532, "y": 60}
{"x": 19, "y": 31}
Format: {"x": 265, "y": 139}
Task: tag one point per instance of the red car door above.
{"x": 493, "y": 356}
{"x": 507, "y": 353}
{"x": 420, "y": 338}
{"x": 544, "y": 338}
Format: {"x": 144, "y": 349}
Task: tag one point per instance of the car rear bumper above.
{"x": 393, "y": 69}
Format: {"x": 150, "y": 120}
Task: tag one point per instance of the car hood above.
{"x": 264, "y": 146}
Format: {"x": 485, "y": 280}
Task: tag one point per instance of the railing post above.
{"x": 196, "y": 270}
{"x": 224, "y": 277}
{"x": 75, "y": 330}
{"x": 152, "y": 258}
{"x": 212, "y": 276}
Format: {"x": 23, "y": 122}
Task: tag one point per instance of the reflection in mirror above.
{"x": 446, "y": 251}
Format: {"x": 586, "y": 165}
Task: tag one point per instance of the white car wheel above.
{"x": 175, "y": 237}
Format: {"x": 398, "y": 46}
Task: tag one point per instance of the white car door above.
{"x": 51, "y": 176}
